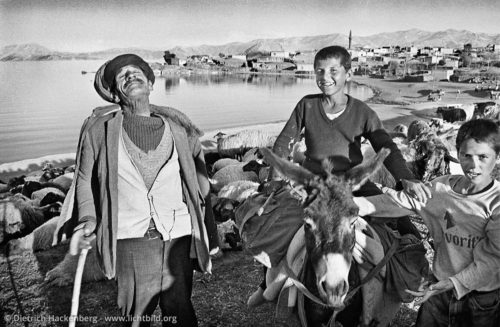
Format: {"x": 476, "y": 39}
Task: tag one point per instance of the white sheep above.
{"x": 40, "y": 239}
{"x": 63, "y": 273}
{"x": 18, "y": 217}
{"x": 234, "y": 146}
{"x": 238, "y": 190}
{"x": 230, "y": 174}
{"x": 224, "y": 162}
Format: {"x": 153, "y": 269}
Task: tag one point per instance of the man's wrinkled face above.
{"x": 131, "y": 82}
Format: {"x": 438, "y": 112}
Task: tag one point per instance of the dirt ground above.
{"x": 219, "y": 299}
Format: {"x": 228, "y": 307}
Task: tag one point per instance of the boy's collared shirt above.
{"x": 465, "y": 229}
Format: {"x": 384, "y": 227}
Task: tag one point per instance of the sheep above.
{"x": 228, "y": 234}
{"x": 487, "y": 110}
{"x": 224, "y": 162}
{"x": 64, "y": 273}
{"x": 234, "y": 146}
{"x": 64, "y": 181}
{"x": 223, "y": 208}
{"x": 19, "y": 218}
{"x": 210, "y": 159}
{"x": 40, "y": 194}
{"x": 230, "y": 174}
{"x": 238, "y": 190}
{"x": 452, "y": 114}
{"x": 39, "y": 239}
{"x": 252, "y": 154}
{"x": 401, "y": 128}
{"x": 261, "y": 169}
{"x": 416, "y": 128}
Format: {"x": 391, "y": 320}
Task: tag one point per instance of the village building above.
{"x": 304, "y": 61}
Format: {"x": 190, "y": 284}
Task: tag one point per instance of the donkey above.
{"x": 329, "y": 228}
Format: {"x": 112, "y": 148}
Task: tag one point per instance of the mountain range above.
{"x": 449, "y": 38}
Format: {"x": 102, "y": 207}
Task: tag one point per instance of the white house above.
{"x": 280, "y": 54}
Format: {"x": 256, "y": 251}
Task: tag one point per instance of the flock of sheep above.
{"x": 30, "y": 205}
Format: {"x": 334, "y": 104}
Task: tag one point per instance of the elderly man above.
{"x": 142, "y": 191}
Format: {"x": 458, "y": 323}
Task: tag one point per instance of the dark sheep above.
{"x": 254, "y": 166}
{"x": 452, "y": 114}
{"x": 51, "y": 198}
{"x": 16, "y": 181}
{"x": 210, "y": 159}
{"x": 29, "y": 187}
{"x": 223, "y": 209}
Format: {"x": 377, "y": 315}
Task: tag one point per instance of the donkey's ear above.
{"x": 358, "y": 175}
{"x": 295, "y": 173}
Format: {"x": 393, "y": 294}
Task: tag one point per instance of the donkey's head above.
{"x": 329, "y": 223}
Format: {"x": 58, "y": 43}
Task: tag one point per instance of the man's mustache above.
{"x": 132, "y": 81}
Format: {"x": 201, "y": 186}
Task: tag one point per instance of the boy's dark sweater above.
{"x": 339, "y": 139}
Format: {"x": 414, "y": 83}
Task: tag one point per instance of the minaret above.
{"x": 350, "y": 39}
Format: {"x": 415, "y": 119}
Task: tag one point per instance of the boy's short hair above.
{"x": 481, "y": 130}
{"x": 334, "y": 51}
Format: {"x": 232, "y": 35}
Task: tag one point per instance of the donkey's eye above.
{"x": 309, "y": 224}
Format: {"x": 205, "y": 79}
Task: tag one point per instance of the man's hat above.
{"x": 105, "y": 77}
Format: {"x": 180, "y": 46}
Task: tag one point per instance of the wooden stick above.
{"x": 261, "y": 209}
{"x": 76, "y": 287}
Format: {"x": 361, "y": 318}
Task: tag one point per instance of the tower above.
{"x": 350, "y": 39}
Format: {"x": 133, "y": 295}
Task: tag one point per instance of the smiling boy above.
{"x": 334, "y": 124}
{"x": 463, "y": 218}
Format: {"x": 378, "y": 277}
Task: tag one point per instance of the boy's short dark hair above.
{"x": 481, "y": 130}
{"x": 334, "y": 51}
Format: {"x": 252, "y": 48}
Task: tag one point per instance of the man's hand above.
{"x": 425, "y": 291}
{"x": 417, "y": 189}
{"x": 83, "y": 235}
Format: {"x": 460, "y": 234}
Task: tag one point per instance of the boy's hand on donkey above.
{"x": 83, "y": 235}
{"x": 425, "y": 291}
{"x": 417, "y": 189}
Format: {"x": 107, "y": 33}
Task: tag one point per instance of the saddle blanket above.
{"x": 280, "y": 287}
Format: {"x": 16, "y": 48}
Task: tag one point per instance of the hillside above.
{"x": 449, "y": 38}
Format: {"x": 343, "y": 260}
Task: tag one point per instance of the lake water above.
{"x": 43, "y": 104}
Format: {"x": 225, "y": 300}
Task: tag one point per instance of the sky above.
{"x": 92, "y": 25}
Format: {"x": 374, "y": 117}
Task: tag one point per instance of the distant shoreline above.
{"x": 395, "y": 102}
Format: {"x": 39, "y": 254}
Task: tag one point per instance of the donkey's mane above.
{"x": 332, "y": 204}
